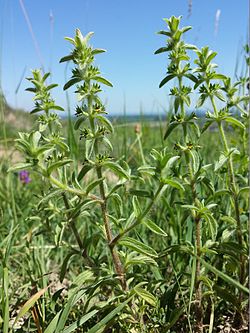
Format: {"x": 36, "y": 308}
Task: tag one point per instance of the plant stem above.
{"x": 116, "y": 259}
{"x": 198, "y": 288}
{"x": 76, "y": 233}
{"x": 139, "y": 218}
{"x": 72, "y": 190}
{"x": 198, "y": 284}
{"x": 197, "y": 221}
{"x": 139, "y": 135}
{"x": 233, "y": 189}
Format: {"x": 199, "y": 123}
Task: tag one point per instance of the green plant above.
{"x": 152, "y": 243}
{"x": 206, "y": 80}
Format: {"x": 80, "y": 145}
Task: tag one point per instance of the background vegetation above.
{"x": 127, "y": 227}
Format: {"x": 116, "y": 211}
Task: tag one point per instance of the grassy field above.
{"x": 125, "y": 227}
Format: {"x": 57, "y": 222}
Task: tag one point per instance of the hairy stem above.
{"x": 139, "y": 218}
{"x": 76, "y": 233}
{"x": 198, "y": 286}
{"x": 116, "y": 259}
{"x": 197, "y": 221}
{"x": 233, "y": 189}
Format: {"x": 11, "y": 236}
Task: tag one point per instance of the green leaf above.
{"x": 141, "y": 193}
{"x": 65, "y": 313}
{"x": 191, "y": 77}
{"x": 57, "y": 107}
{"x": 102, "y": 323}
{"x": 229, "y": 219}
{"x": 163, "y": 32}
{"x": 49, "y": 196}
{"x": 225, "y": 277}
{"x": 216, "y": 76}
{"x": 175, "y": 315}
{"x": 5, "y": 300}
{"x": 103, "y": 81}
{"x": 147, "y": 170}
{"x": 85, "y": 169}
{"x": 30, "y": 303}
{"x": 93, "y": 184}
{"x": 53, "y": 324}
{"x": 206, "y": 125}
{"x": 227, "y": 296}
{"x": 57, "y": 165}
{"x": 138, "y": 246}
{"x": 192, "y": 207}
{"x": 166, "y": 79}
{"x": 97, "y": 51}
{"x": 71, "y": 82}
{"x": 117, "y": 169}
{"x": 161, "y": 50}
{"x": 66, "y": 58}
{"x": 20, "y": 166}
{"x": 222, "y": 160}
{"x": 140, "y": 259}
{"x": 220, "y": 96}
{"x": 31, "y": 90}
{"x": 78, "y": 122}
{"x": 167, "y": 168}
{"x": 195, "y": 160}
{"x": 136, "y": 206}
{"x": 212, "y": 225}
{"x": 106, "y": 123}
{"x": 173, "y": 183}
{"x": 51, "y": 86}
{"x": 154, "y": 227}
{"x": 222, "y": 192}
{"x": 235, "y": 122}
{"x": 170, "y": 128}
{"x": 146, "y": 296}
{"x": 244, "y": 190}
{"x": 65, "y": 265}
{"x": 201, "y": 100}
{"x": 79, "y": 322}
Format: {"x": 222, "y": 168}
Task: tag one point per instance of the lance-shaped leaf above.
{"x": 103, "y": 322}
{"x": 93, "y": 184}
{"x": 170, "y": 128}
{"x": 30, "y": 303}
{"x": 161, "y": 50}
{"x": 106, "y": 123}
{"x": 103, "y": 81}
{"x": 166, "y": 79}
{"x": 206, "y": 125}
{"x": 85, "y": 169}
{"x": 222, "y": 160}
{"x": 58, "y": 164}
{"x": 71, "y": 82}
{"x": 167, "y": 168}
{"x": 154, "y": 227}
{"x": 116, "y": 168}
{"x": 66, "y": 58}
{"x": 139, "y": 259}
{"x": 138, "y": 246}
{"x": 173, "y": 183}
{"x": 235, "y": 122}
{"x": 146, "y": 296}
{"x": 20, "y": 166}
{"x": 225, "y": 277}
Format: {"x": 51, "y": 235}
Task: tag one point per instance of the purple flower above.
{"x": 24, "y": 177}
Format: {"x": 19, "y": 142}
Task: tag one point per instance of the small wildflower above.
{"x": 24, "y": 177}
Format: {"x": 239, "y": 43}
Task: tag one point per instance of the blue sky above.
{"x": 127, "y": 30}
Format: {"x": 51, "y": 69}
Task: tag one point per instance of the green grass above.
{"x": 143, "y": 229}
